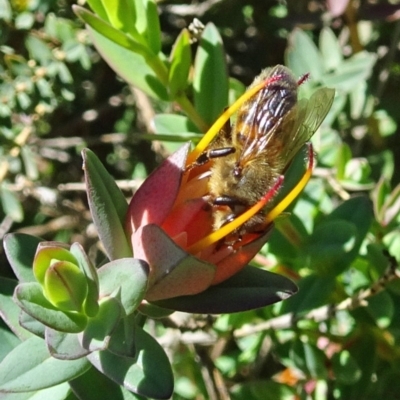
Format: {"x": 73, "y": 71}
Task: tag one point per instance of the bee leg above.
{"x": 231, "y": 202}
{"x": 205, "y": 157}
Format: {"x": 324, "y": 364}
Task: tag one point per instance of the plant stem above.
{"x": 191, "y": 112}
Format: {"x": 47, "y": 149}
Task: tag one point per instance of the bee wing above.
{"x": 310, "y": 114}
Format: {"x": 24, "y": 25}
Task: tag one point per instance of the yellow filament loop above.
{"x": 291, "y": 196}
{"x": 219, "y": 123}
{"x": 240, "y": 220}
{"x": 276, "y": 211}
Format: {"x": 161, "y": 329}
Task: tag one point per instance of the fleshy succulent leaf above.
{"x": 19, "y": 373}
{"x": 99, "y": 329}
{"x": 20, "y": 250}
{"x": 139, "y": 374}
{"x": 64, "y": 346}
{"x": 126, "y": 277}
{"x": 174, "y": 272}
{"x": 29, "y": 296}
{"x": 248, "y": 289}
{"x": 91, "y": 305}
{"x": 107, "y": 205}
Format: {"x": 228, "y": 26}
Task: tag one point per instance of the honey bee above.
{"x": 270, "y": 129}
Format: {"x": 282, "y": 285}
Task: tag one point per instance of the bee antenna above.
{"x": 303, "y": 79}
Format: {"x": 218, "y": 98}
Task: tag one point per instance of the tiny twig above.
{"x": 325, "y": 312}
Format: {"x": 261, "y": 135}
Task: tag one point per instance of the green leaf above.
{"x": 58, "y": 392}
{"x": 250, "y": 288}
{"x": 329, "y": 246}
{"x": 20, "y": 250}
{"x": 309, "y": 359}
{"x": 64, "y": 346}
{"x": 99, "y": 329}
{"x": 148, "y": 374}
{"x": 147, "y": 23}
{"x": 262, "y": 390}
{"x": 93, "y": 385}
{"x": 113, "y": 34}
{"x": 303, "y": 56}
{"x": 122, "y": 342}
{"x": 153, "y": 311}
{"x": 8, "y": 341}
{"x": 210, "y": 80}
{"x": 351, "y": 72}
{"x": 107, "y": 205}
{"x": 357, "y": 211}
{"x": 147, "y": 77}
{"x": 345, "y": 368}
{"x": 181, "y": 60}
{"x": 29, "y": 296}
{"x": 30, "y": 367}
{"x": 65, "y": 286}
{"x": 31, "y": 324}
{"x": 331, "y": 50}
{"x": 174, "y": 129}
{"x": 381, "y": 309}
{"x": 125, "y": 279}
{"x": 11, "y": 204}
{"x": 47, "y": 254}
{"x": 92, "y": 280}
{"x": 98, "y": 7}
{"x": 314, "y": 292}
{"x": 121, "y": 15}
{"x": 9, "y": 311}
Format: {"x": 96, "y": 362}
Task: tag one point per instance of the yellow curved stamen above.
{"x": 240, "y": 220}
{"x": 220, "y": 122}
{"x": 291, "y": 196}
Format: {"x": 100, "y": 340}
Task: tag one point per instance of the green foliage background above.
{"x": 58, "y": 95}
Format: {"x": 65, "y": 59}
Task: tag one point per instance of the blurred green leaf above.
{"x": 303, "y": 56}
{"x": 262, "y": 390}
{"x": 11, "y": 204}
{"x": 99, "y": 8}
{"x": 181, "y": 60}
{"x": 121, "y": 15}
{"x": 351, "y": 72}
{"x": 309, "y": 359}
{"x": 382, "y": 309}
{"x": 148, "y": 24}
{"x": 345, "y": 368}
{"x": 173, "y": 124}
{"x": 314, "y": 291}
{"x": 210, "y": 80}
{"x": 331, "y": 50}
{"x": 121, "y": 60}
{"x": 329, "y": 247}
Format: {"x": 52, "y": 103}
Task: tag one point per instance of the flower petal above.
{"x": 193, "y": 217}
{"x": 155, "y": 198}
{"x": 173, "y": 272}
{"x": 233, "y": 263}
